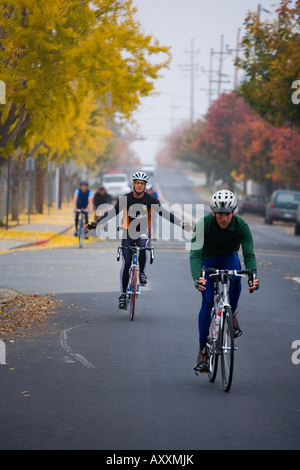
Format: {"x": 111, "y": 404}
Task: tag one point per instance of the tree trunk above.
{"x": 39, "y": 189}
{"x": 14, "y": 185}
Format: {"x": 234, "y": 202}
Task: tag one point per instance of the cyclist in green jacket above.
{"x": 223, "y": 234}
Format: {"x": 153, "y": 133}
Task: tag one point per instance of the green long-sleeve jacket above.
{"x": 210, "y": 241}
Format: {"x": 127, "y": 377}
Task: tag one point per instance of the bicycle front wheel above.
{"x": 227, "y": 354}
{"x": 212, "y": 351}
{"x": 80, "y": 234}
{"x": 132, "y": 294}
{"x": 212, "y": 363}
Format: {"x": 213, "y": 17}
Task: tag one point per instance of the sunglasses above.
{"x": 140, "y": 183}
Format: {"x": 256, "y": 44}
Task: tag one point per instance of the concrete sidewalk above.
{"x": 42, "y": 228}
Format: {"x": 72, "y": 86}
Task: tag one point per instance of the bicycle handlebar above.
{"x": 134, "y": 248}
{"x": 229, "y": 272}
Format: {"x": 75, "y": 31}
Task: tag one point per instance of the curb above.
{"x": 40, "y": 242}
{"x": 6, "y": 293}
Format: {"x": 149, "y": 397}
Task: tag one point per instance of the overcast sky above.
{"x": 176, "y": 23}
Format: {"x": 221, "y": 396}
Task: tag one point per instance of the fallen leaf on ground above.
{"x": 26, "y": 315}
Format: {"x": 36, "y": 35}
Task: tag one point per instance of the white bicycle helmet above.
{"x": 141, "y": 176}
{"x": 223, "y": 201}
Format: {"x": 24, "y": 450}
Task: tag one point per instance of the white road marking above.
{"x": 2, "y": 353}
{"x": 66, "y": 347}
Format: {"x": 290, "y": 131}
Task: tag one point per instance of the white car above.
{"x": 149, "y": 169}
{"x": 116, "y": 184}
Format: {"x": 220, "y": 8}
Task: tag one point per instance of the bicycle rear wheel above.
{"x": 132, "y": 294}
{"x": 227, "y": 354}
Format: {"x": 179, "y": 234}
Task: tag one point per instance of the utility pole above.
{"x": 237, "y": 50}
{"x": 220, "y": 65}
{"x": 191, "y": 68}
{"x": 221, "y": 55}
{"x": 210, "y": 73}
{"x": 258, "y": 13}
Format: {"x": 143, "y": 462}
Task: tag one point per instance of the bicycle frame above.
{"x": 134, "y": 264}
{"x": 81, "y": 226}
{"x": 221, "y": 301}
{"x": 222, "y": 343}
{"x": 133, "y": 288}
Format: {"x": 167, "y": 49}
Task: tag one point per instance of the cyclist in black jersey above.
{"x": 137, "y": 207}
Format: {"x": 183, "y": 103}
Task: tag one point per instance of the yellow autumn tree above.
{"x": 69, "y": 66}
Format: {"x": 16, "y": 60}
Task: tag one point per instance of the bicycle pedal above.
{"x": 196, "y": 369}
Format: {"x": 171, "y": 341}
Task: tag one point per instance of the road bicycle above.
{"x": 81, "y": 226}
{"x": 133, "y": 289}
{"x": 220, "y": 340}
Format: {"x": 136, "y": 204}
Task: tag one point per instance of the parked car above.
{"x": 116, "y": 184}
{"x": 282, "y": 206}
{"x": 253, "y": 205}
{"x": 297, "y": 224}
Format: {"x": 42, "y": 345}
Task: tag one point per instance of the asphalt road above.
{"x": 99, "y": 381}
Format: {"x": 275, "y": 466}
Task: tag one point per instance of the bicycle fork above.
{"x": 216, "y": 342}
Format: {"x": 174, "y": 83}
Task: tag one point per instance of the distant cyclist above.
{"x": 137, "y": 207}
{"x": 83, "y": 199}
{"x": 224, "y": 233}
{"x": 101, "y": 197}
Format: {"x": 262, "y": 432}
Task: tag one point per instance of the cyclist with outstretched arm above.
{"x": 137, "y": 207}
{"x": 223, "y": 234}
